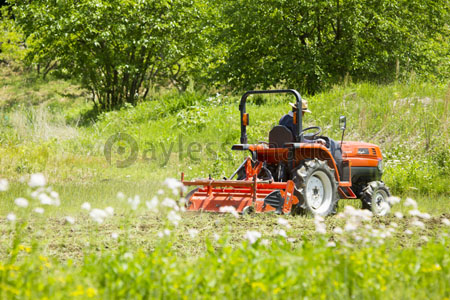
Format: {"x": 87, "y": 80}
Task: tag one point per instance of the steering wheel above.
{"x": 313, "y": 135}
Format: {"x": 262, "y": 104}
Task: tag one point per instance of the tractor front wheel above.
{"x": 316, "y": 188}
{"x": 375, "y": 198}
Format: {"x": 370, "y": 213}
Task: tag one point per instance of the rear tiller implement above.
{"x": 295, "y": 173}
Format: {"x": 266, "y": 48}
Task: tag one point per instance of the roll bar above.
{"x": 242, "y": 105}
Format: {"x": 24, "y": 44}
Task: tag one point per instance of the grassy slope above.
{"x": 42, "y": 132}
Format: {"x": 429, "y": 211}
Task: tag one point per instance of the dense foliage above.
{"x": 116, "y": 48}
{"x": 312, "y": 44}
{"x": 120, "y": 49}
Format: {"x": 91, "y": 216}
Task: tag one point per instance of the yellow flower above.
{"x": 260, "y": 285}
{"x": 78, "y": 292}
{"x": 13, "y": 268}
{"x": 43, "y": 258}
{"x": 24, "y": 248}
{"x": 91, "y": 292}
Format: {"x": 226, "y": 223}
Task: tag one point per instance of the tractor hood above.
{"x": 361, "y": 149}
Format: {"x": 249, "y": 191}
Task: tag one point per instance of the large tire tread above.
{"x": 369, "y": 191}
{"x": 300, "y": 178}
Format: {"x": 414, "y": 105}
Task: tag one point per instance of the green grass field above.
{"x": 49, "y": 127}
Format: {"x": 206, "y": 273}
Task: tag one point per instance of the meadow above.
{"x": 144, "y": 246}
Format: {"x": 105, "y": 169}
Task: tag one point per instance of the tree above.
{"x": 11, "y": 39}
{"x": 312, "y": 44}
{"x": 117, "y": 48}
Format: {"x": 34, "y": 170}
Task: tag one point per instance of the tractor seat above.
{"x": 280, "y": 135}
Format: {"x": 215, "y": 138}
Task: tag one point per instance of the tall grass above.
{"x": 349, "y": 256}
{"x": 193, "y": 132}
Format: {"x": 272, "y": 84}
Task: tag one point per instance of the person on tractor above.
{"x": 288, "y": 121}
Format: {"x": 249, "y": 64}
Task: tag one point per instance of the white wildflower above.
{"x": 54, "y": 195}
{"x": 320, "y": 226}
{"x": 410, "y": 202}
{"x": 160, "y": 192}
{"x": 109, "y": 210}
{"x": 165, "y": 232}
{"x": 216, "y": 237}
{"x": 424, "y": 238}
{"x": 152, "y": 205}
{"x": 321, "y": 229}
{"x": 398, "y": 215}
{"x": 86, "y": 206}
{"x": 366, "y": 215}
{"x": 128, "y": 255}
{"x": 173, "y": 217}
{"x": 280, "y": 232}
{"x": 120, "y": 196}
{"x": 114, "y": 235}
{"x": 318, "y": 219}
{"x": 350, "y": 226}
{"x": 425, "y": 216}
{"x": 37, "y": 180}
{"x": 291, "y": 240}
{"x": 445, "y": 221}
{"x": 11, "y": 217}
{"x": 338, "y": 230}
{"x": 229, "y": 209}
{"x": 175, "y": 185}
{"x": 252, "y": 236}
{"x": 168, "y": 202}
{"x": 265, "y": 242}
{"x": 98, "y": 215}
{"x": 21, "y": 202}
{"x": 193, "y": 232}
{"x": 134, "y": 202}
{"x": 414, "y": 212}
{"x": 39, "y": 210}
{"x": 394, "y": 225}
{"x": 331, "y": 244}
{"x": 4, "y": 185}
{"x": 283, "y": 222}
{"x": 418, "y": 223}
{"x": 408, "y": 232}
{"x": 393, "y": 200}
{"x": 45, "y": 199}
{"x": 70, "y": 220}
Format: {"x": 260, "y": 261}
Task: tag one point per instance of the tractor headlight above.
{"x": 380, "y": 165}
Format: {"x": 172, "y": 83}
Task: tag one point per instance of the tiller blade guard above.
{"x": 244, "y": 195}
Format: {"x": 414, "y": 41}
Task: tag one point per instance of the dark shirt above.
{"x": 288, "y": 121}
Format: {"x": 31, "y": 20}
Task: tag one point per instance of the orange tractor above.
{"x": 294, "y": 174}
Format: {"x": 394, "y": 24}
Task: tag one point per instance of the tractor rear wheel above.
{"x": 316, "y": 188}
{"x": 375, "y": 198}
